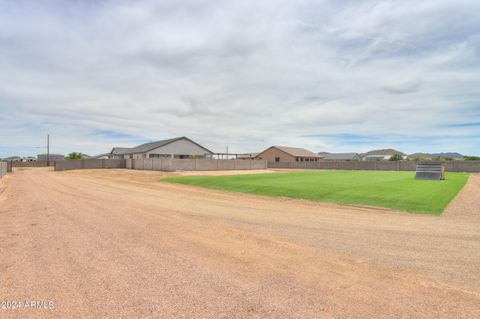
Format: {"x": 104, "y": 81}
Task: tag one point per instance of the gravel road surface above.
{"x": 121, "y": 244}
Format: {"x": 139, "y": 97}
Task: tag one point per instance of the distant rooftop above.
{"x": 51, "y": 154}
{"x": 120, "y": 150}
{"x": 297, "y": 151}
{"x": 387, "y": 151}
{"x": 339, "y": 156}
{"x": 151, "y": 146}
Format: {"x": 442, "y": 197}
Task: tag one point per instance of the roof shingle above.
{"x": 297, "y": 151}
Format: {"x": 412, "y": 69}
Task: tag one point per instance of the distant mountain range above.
{"x": 390, "y": 151}
{"x": 433, "y": 155}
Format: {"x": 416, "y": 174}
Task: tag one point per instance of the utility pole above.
{"x": 227, "y": 152}
{"x": 48, "y": 149}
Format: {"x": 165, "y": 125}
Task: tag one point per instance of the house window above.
{"x": 296, "y": 159}
{"x": 277, "y": 159}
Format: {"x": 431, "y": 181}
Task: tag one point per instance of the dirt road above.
{"x": 120, "y": 244}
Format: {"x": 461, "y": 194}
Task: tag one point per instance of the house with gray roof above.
{"x": 101, "y": 156}
{"x": 382, "y": 155}
{"x": 13, "y": 159}
{"x": 179, "y": 147}
{"x": 53, "y": 157}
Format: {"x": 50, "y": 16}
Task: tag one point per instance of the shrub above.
{"x": 396, "y": 157}
{"x": 74, "y": 156}
{"x": 471, "y": 158}
{"x": 420, "y": 159}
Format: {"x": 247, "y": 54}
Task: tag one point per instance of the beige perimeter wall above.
{"x": 173, "y": 164}
{"x": 451, "y": 166}
{"x": 31, "y": 164}
{"x": 65, "y": 165}
{"x": 162, "y": 164}
{"x": 3, "y": 169}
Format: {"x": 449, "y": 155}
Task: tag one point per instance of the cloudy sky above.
{"x": 333, "y": 75}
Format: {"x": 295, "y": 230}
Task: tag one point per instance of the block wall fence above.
{"x": 450, "y": 166}
{"x": 173, "y": 164}
{"x": 3, "y": 169}
{"x": 162, "y": 164}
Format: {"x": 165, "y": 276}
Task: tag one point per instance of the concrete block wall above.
{"x": 30, "y": 164}
{"x": 450, "y": 166}
{"x": 463, "y": 166}
{"x": 89, "y": 164}
{"x": 246, "y": 164}
{"x": 182, "y": 165}
{"x": 206, "y": 165}
{"x": 173, "y": 164}
{"x": 257, "y": 164}
{"x": 3, "y": 169}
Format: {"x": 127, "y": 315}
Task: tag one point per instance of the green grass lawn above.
{"x": 395, "y": 190}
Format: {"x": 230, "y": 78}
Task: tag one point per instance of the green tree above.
{"x": 443, "y": 158}
{"x": 471, "y": 158}
{"x": 396, "y": 157}
{"x": 74, "y": 156}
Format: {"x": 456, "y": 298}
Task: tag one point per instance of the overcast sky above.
{"x": 324, "y": 75}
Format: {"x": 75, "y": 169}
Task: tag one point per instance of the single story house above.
{"x": 118, "y": 152}
{"x": 180, "y": 147}
{"x": 101, "y": 156}
{"x": 13, "y": 159}
{"x": 53, "y": 157}
{"x": 340, "y": 157}
{"x": 377, "y": 157}
{"x": 382, "y": 155}
{"x": 288, "y": 154}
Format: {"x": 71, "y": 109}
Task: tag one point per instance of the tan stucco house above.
{"x": 288, "y": 154}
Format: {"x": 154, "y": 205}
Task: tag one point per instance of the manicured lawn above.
{"x": 395, "y": 190}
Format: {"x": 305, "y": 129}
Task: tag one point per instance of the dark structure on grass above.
{"x": 434, "y": 171}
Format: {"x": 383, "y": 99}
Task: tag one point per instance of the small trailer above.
{"x": 433, "y": 171}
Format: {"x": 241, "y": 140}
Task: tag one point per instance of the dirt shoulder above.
{"x": 118, "y": 243}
